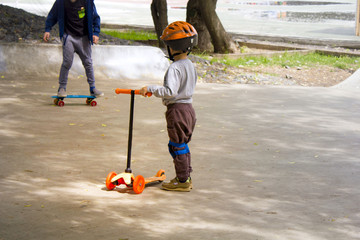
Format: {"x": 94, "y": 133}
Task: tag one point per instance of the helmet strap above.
{"x": 171, "y": 56}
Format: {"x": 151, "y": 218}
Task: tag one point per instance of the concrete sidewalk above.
{"x": 269, "y": 163}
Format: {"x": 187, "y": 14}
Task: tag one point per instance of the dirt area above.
{"x": 29, "y": 28}
{"x": 324, "y": 76}
{"x": 320, "y": 76}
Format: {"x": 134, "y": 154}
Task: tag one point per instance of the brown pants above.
{"x": 181, "y": 119}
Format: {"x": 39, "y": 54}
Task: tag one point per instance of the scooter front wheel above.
{"x": 109, "y": 184}
{"x": 139, "y": 184}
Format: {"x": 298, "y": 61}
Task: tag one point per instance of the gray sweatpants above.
{"x": 81, "y": 46}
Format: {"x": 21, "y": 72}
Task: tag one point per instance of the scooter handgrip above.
{"x": 128, "y": 91}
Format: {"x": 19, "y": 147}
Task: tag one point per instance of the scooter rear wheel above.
{"x": 160, "y": 173}
{"x": 109, "y": 184}
{"x": 139, "y": 184}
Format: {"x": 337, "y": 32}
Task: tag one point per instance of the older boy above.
{"x": 79, "y": 27}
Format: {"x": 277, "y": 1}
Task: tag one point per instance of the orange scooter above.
{"x": 127, "y": 177}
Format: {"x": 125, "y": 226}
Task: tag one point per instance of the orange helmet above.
{"x": 180, "y": 36}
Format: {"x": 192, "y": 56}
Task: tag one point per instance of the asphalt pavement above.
{"x": 269, "y": 162}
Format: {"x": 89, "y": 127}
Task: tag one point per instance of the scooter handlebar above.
{"x": 128, "y": 91}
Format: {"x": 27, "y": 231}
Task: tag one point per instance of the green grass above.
{"x": 131, "y": 35}
{"x": 293, "y": 60}
{"x": 286, "y": 59}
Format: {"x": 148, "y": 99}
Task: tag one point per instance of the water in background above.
{"x": 324, "y": 19}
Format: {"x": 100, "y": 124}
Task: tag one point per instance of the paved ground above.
{"x": 269, "y": 163}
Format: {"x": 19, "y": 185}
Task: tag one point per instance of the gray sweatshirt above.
{"x": 179, "y": 83}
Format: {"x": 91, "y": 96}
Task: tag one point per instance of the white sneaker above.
{"x": 62, "y": 92}
{"x": 96, "y": 93}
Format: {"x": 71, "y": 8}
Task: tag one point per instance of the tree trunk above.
{"x": 160, "y": 18}
{"x": 193, "y": 16}
{"x": 220, "y": 39}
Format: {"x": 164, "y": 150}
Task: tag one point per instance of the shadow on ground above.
{"x": 269, "y": 163}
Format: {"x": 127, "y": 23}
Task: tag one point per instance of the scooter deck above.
{"x": 154, "y": 179}
{"x": 128, "y": 177}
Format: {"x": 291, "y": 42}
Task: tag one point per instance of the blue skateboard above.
{"x": 90, "y": 100}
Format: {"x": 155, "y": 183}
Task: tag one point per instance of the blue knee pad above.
{"x": 178, "y": 145}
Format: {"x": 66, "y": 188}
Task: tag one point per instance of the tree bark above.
{"x": 219, "y": 38}
{"x": 193, "y": 16}
{"x": 160, "y": 18}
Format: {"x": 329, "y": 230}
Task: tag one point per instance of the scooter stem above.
{"x": 131, "y": 120}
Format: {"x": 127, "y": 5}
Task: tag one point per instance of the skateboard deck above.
{"x": 59, "y": 101}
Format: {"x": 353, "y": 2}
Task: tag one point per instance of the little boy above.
{"x": 79, "y": 27}
{"x": 176, "y": 93}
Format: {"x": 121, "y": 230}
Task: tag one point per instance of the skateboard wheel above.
{"x": 56, "y": 101}
{"x": 109, "y": 184}
{"x": 139, "y": 184}
{"x": 93, "y": 103}
{"x": 61, "y": 103}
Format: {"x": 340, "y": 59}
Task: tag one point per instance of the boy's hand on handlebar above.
{"x": 144, "y": 91}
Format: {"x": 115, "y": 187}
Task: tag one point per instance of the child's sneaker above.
{"x": 61, "y": 92}
{"x": 96, "y": 93}
{"x": 176, "y": 185}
